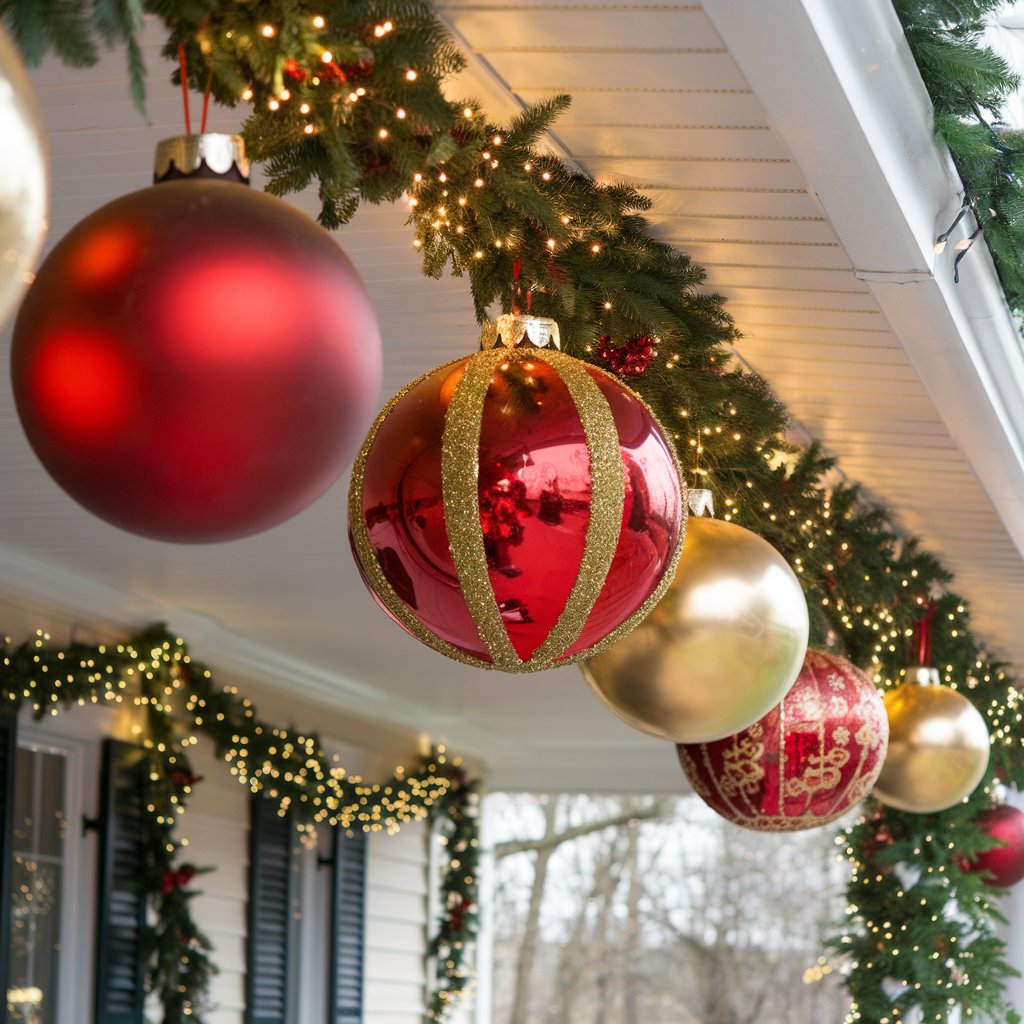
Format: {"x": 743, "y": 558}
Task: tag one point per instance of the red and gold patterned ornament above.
{"x": 516, "y": 509}
{"x": 803, "y": 764}
{"x": 1004, "y": 864}
{"x": 196, "y": 361}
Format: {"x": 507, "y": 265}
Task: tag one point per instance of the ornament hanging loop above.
{"x": 701, "y": 502}
{"x": 515, "y": 330}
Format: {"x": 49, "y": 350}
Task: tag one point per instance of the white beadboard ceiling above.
{"x": 662, "y": 101}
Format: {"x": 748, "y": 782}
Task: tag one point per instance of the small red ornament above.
{"x": 1004, "y": 863}
{"x": 806, "y": 762}
{"x": 629, "y": 359}
{"x": 176, "y": 878}
{"x": 196, "y": 361}
{"x": 516, "y": 508}
{"x": 295, "y": 71}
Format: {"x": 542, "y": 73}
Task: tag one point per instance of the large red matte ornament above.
{"x": 478, "y": 493}
{"x": 806, "y": 762}
{"x": 196, "y": 361}
{"x": 1004, "y": 863}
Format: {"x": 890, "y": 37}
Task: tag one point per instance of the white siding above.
{"x": 216, "y": 825}
{"x": 396, "y": 927}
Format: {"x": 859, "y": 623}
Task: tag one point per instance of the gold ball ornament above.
{"x": 23, "y": 179}
{"x": 721, "y": 648}
{"x": 938, "y": 746}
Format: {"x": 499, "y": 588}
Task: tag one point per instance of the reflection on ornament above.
{"x": 196, "y": 361}
{"x": 938, "y": 746}
{"x": 1004, "y": 863}
{"x": 23, "y": 179}
{"x": 803, "y": 764}
{"x": 516, "y": 508}
{"x": 721, "y": 648}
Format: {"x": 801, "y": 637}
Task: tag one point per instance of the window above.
{"x": 38, "y": 880}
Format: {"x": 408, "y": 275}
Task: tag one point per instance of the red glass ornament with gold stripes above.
{"x": 517, "y": 509}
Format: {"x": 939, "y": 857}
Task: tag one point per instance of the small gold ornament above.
{"x": 721, "y": 648}
{"x": 938, "y": 746}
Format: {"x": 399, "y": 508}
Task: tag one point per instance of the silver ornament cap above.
{"x": 515, "y": 329}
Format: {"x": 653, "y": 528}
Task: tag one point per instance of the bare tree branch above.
{"x": 658, "y": 809}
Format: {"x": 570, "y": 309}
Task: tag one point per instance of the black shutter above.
{"x": 348, "y": 928}
{"x": 121, "y": 912}
{"x": 8, "y": 758}
{"x": 271, "y": 842}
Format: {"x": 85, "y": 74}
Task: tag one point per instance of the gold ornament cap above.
{"x": 515, "y": 329}
{"x": 701, "y": 502}
{"x": 209, "y": 155}
{"x": 922, "y": 675}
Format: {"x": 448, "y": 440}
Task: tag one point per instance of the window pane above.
{"x": 39, "y": 822}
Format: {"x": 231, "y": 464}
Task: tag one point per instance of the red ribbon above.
{"x": 923, "y": 633}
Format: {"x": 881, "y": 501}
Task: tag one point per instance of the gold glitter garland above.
{"x": 460, "y": 474}
{"x": 607, "y": 498}
{"x": 364, "y": 547}
{"x": 627, "y": 627}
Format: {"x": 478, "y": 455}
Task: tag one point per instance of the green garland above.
{"x": 347, "y": 95}
{"x": 178, "y": 701}
{"x": 968, "y": 84}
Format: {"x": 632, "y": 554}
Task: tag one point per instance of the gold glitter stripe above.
{"x": 607, "y": 498}
{"x": 364, "y": 548}
{"x": 460, "y": 473}
{"x": 673, "y": 563}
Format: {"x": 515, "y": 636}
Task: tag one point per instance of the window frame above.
{"x": 78, "y": 893}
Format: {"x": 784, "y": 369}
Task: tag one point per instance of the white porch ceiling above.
{"x": 662, "y": 101}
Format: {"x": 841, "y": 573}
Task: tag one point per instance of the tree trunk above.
{"x": 531, "y": 927}
{"x": 573, "y": 957}
{"x": 634, "y": 940}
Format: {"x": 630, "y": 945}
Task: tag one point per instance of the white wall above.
{"x": 396, "y": 927}
{"x": 216, "y": 825}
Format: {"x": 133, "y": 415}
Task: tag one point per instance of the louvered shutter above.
{"x": 348, "y": 928}
{"x": 8, "y": 758}
{"x": 121, "y": 911}
{"x": 271, "y": 842}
